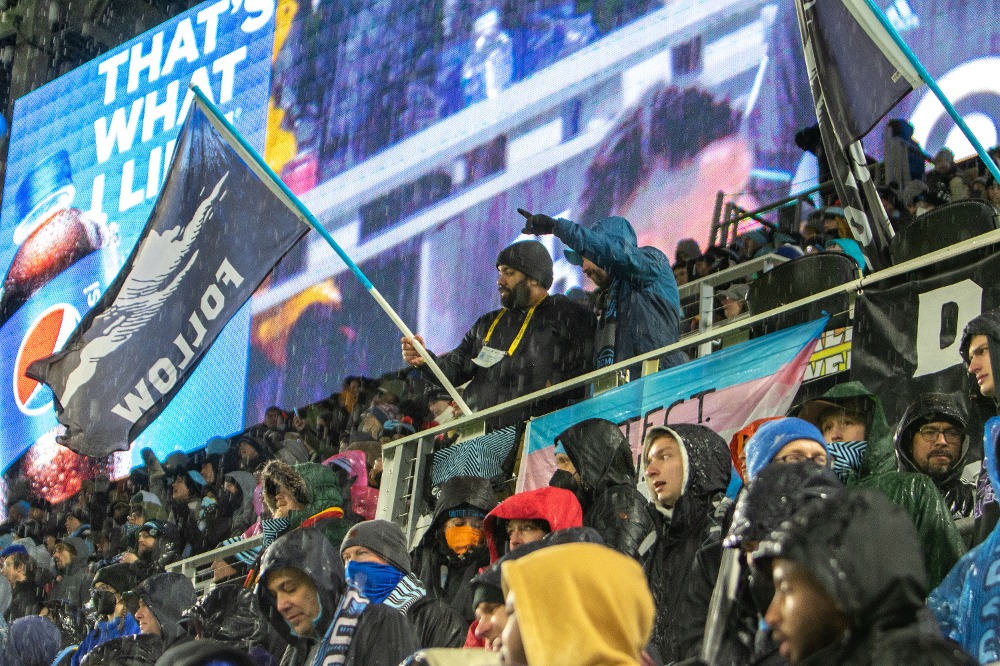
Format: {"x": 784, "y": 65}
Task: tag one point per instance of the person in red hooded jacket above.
{"x": 529, "y": 516}
{"x": 520, "y": 519}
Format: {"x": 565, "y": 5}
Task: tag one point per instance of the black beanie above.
{"x": 119, "y": 576}
{"x": 382, "y": 537}
{"x": 531, "y": 258}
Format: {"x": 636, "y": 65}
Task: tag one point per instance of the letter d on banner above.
{"x": 934, "y": 325}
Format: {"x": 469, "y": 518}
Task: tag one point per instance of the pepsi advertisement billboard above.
{"x": 88, "y": 155}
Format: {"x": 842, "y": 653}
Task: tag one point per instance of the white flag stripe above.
{"x": 870, "y": 23}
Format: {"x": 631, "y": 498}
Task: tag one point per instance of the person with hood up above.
{"x": 638, "y": 307}
{"x": 72, "y": 581}
{"x": 306, "y": 494}
{"x": 293, "y": 449}
{"x": 163, "y": 598}
{"x": 687, "y": 472}
{"x": 231, "y": 614}
{"x": 111, "y": 583}
{"x": 528, "y": 516}
{"x": 453, "y": 548}
{"x": 932, "y": 439}
{"x": 861, "y": 446}
{"x": 236, "y": 501}
{"x": 980, "y": 347}
{"x": 34, "y": 641}
{"x": 965, "y": 602}
{"x": 730, "y": 630}
{"x": 205, "y": 653}
{"x": 849, "y": 586}
{"x": 305, "y": 596}
{"x": 187, "y": 490}
{"x": 738, "y": 444}
{"x": 535, "y": 340}
{"x": 488, "y": 598}
{"x": 155, "y": 549}
{"x": 596, "y": 462}
{"x": 376, "y": 561}
{"x": 609, "y": 621}
{"x": 364, "y": 498}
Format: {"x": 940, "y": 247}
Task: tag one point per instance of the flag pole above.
{"x": 278, "y": 187}
{"x": 932, "y": 84}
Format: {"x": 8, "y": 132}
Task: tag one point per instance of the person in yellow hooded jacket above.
{"x": 573, "y": 605}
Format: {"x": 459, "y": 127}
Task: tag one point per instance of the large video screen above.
{"x": 413, "y": 131}
{"x": 88, "y": 154}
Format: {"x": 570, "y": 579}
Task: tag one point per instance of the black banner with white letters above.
{"x": 214, "y": 235}
{"x": 907, "y": 331}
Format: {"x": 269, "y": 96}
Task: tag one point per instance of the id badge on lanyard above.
{"x": 490, "y": 356}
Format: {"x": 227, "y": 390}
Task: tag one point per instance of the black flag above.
{"x": 856, "y": 75}
{"x": 215, "y": 233}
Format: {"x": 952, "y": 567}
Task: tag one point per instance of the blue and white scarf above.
{"x": 337, "y": 642}
{"x": 408, "y": 592}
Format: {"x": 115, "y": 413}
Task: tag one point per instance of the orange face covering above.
{"x": 461, "y": 539}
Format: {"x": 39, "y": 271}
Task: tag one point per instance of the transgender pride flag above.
{"x": 724, "y": 391}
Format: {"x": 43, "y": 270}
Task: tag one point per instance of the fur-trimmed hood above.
{"x": 278, "y": 472}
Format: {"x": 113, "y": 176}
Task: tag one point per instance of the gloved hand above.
{"x": 537, "y": 225}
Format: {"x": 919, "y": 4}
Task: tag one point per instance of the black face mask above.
{"x": 229, "y": 502}
{"x": 565, "y": 480}
{"x": 103, "y": 601}
{"x": 761, "y": 591}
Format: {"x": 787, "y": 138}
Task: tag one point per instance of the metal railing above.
{"x": 405, "y": 461}
{"x": 728, "y": 215}
{"x": 199, "y": 567}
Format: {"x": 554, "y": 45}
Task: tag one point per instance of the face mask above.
{"x": 229, "y": 502}
{"x": 565, "y": 480}
{"x": 376, "y": 580}
{"x": 103, "y": 601}
{"x": 761, "y": 591}
{"x": 462, "y": 539}
{"x": 845, "y": 458}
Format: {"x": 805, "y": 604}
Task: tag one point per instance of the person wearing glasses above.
{"x": 932, "y": 439}
{"x": 859, "y": 441}
{"x": 785, "y": 441}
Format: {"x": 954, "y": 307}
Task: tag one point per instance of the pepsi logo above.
{"x": 46, "y": 335}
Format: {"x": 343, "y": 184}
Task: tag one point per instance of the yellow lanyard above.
{"x": 520, "y": 334}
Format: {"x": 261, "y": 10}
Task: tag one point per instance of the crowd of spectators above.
{"x": 845, "y": 526}
{"x": 920, "y": 185}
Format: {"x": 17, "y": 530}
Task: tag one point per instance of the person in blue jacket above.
{"x": 113, "y": 618}
{"x": 965, "y": 603}
{"x": 638, "y": 307}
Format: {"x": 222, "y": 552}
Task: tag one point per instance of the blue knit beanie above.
{"x": 772, "y": 436}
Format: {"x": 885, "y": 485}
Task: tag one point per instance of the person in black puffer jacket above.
{"x": 453, "y": 549}
{"x": 596, "y": 463}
